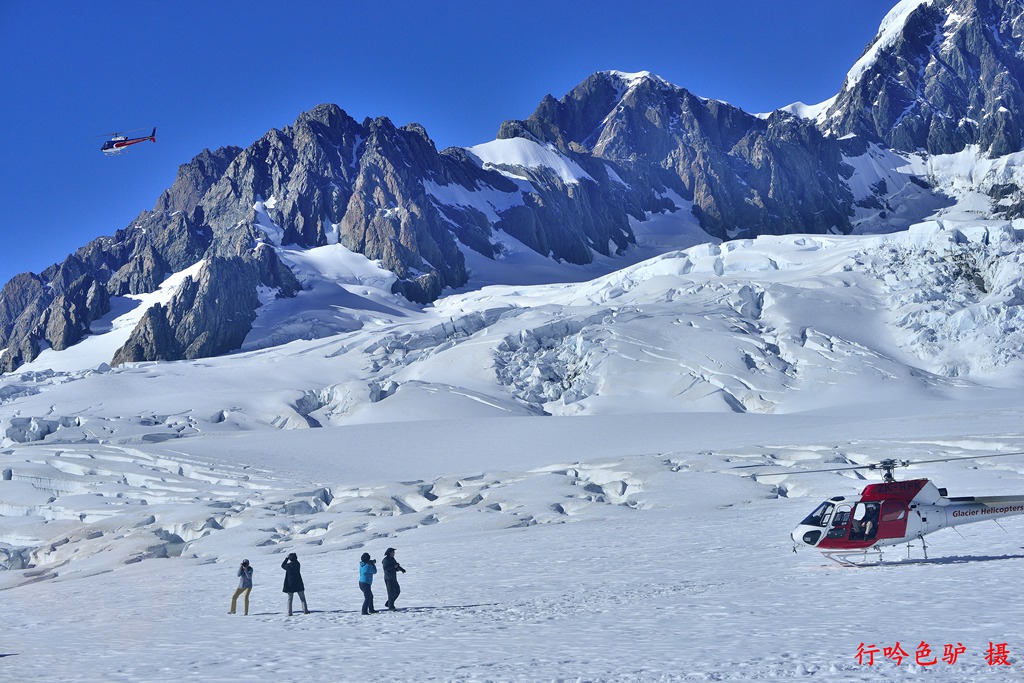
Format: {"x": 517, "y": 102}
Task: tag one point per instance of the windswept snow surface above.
{"x": 804, "y": 111}
{"x": 561, "y": 468}
{"x": 509, "y": 154}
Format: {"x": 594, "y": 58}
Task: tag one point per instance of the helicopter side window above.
{"x": 820, "y": 515}
{"x": 893, "y": 512}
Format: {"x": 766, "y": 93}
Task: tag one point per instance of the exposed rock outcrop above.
{"x": 36, "y": 313}
{"x": 948, "y": 74}
{"x": 746, "y": 175}
{"x": 209, "y": 315}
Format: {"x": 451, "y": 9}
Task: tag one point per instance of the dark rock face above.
{"x": 55, "y": 307}
{"x": 152, "y": 339}
{"x": 333, "y": 179}
{"x": 746, "y": 175}
{"x": 15, "y": 298}
{"x": 390, "y": 217}
{"x": 35, "y": 312}
{"x": 23, "y": 303}
{"x": 194, "y": 179}
{"x": 208, "y": 316}
{"x": 71, "y": 312}
{"x": 570, "y": 221}
{"x": 952, "y": 76}
{"x": 306, "y": 167}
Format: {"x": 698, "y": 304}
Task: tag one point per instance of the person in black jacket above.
{"x": 391, "y": 568}
{"x": 293, "y": 582}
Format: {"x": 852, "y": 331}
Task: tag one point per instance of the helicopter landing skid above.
{"x": 852, "y": 559}
{"x": 858, "y": 558}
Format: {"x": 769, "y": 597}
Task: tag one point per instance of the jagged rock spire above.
{"x": 940, "y": 75}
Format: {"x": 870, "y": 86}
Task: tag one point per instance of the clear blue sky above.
{"x": 211, "y": 73}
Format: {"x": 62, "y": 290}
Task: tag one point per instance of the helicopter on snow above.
{"x": 894, "y": 512}
{"x": 119, "y": 142}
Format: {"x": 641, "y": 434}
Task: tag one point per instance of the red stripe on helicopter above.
{"x": 844, "y": 544}
{"x": 893, "y": 490}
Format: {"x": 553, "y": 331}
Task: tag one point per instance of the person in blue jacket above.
{"x": 367, "y": 568}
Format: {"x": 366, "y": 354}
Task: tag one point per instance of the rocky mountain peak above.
{"x": 940, "y": 75}
{"x": 745, "y": 175}
{"x": 326, "y": 114}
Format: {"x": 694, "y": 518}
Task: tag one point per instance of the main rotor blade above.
{"x": 119, "y": 132}
{"x": 875, "y": 465}
{"x": 789, "y": 472}
{"x": 969, "y": 457}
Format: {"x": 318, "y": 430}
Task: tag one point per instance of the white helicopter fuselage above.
{"x": 892, "y": 513}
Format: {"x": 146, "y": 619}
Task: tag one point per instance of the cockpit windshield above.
{"x": 820, "y": 516}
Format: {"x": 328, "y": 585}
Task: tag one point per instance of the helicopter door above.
{"x": 840, "y": 522}
{"x": 864, "y": 525}
{"x": 893, "y": 520}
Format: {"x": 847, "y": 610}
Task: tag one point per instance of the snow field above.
{"x": 525, "y": 563}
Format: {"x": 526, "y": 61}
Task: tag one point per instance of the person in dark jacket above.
{"x": 244, "y": 586}
{"x": 367, "y": 568}
{"x": 391, "y": 568}
{"x": 293, "y": 582}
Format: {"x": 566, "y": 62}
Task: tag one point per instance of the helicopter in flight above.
{"x": 119, "y": 142}
{"x": 894, "y": 512}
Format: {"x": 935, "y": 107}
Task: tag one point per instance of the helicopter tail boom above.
{"x": 980, "y": 508}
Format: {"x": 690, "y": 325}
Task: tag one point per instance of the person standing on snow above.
{"x": 367, "y": 568}
{"x": 244, "y": 586}
{"x": 293, "y": 582}
{"x": 391, "y": 568}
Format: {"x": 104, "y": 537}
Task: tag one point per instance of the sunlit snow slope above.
{"x": 778, "y": 324}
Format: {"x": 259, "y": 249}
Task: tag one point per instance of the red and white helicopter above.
{"x": 894, "y": 512}
{"x": 119, "y": 142}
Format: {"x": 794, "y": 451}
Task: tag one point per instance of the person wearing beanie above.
{"x": 367, "y": 568}
{"x": 244, "y": 586}
{"x": 391, "y": 568}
